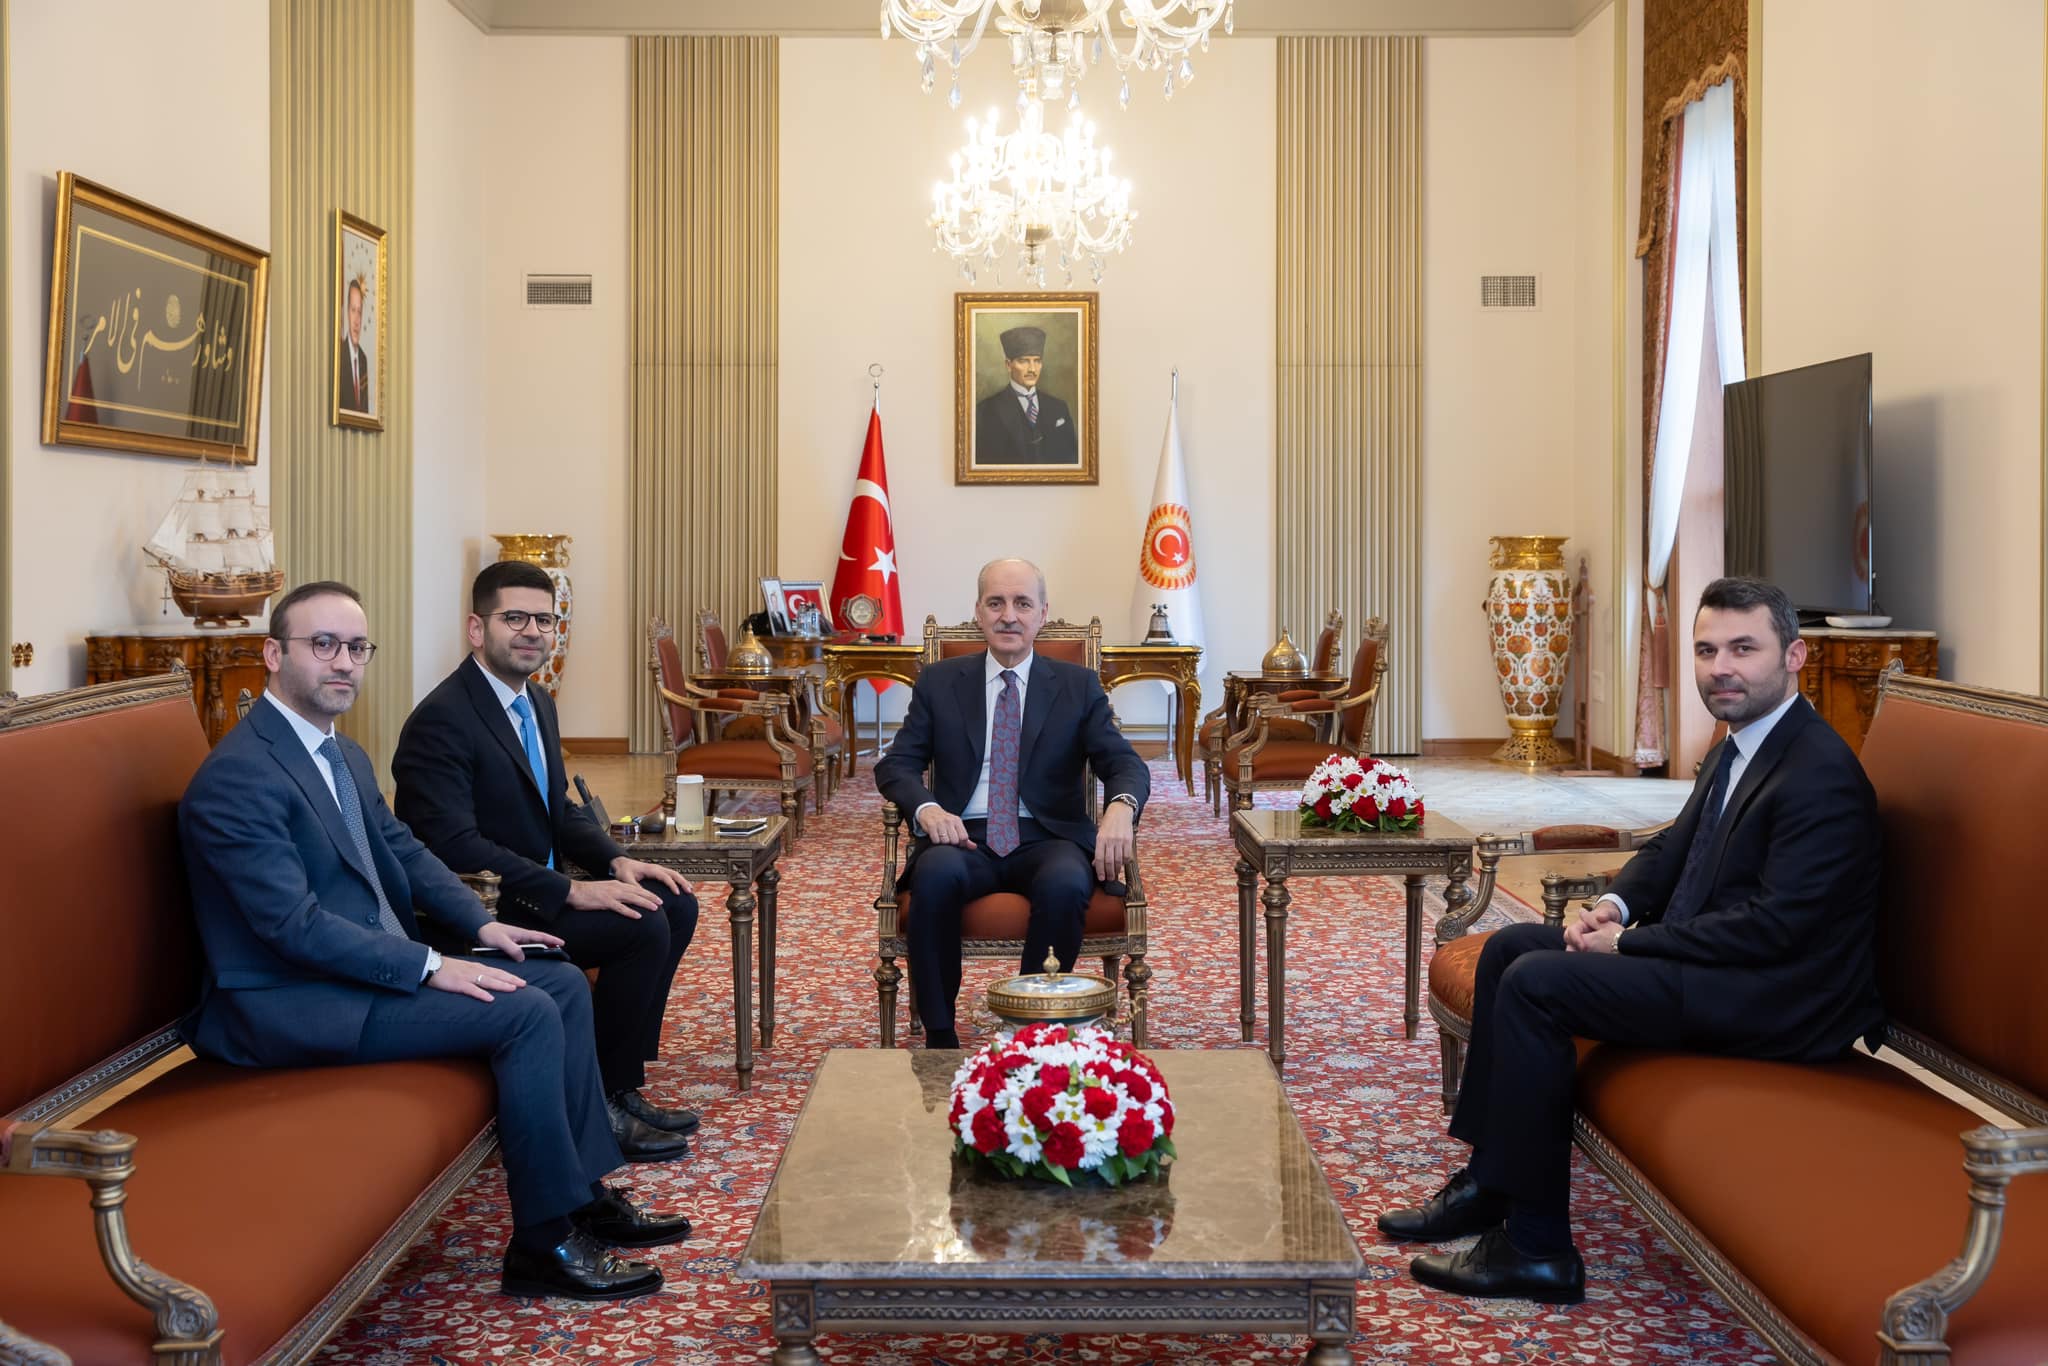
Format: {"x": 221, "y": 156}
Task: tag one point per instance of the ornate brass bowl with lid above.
{"x": 1052, "y": 997}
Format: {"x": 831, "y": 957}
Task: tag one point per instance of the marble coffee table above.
{"x": 871, "y": 1226}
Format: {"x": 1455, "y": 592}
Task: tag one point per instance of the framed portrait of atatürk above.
{"x": 156, "y": 331}
{"x": 360, "y": 272}
{"x": 1024, "y": 389}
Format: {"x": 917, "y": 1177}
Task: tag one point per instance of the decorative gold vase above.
{"x": 1529, "y": 613}
{"x": 1284, "y": 659}
{"x": 550, "y": 552}
{"x": 748, "y": 655}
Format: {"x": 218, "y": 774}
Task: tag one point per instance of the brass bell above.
{"x": 1159, "y": 633}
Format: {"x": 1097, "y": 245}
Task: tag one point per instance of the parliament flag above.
{"x": 1166, "y": 555}
{"x": 867, "y": 554}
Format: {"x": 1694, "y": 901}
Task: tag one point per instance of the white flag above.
{"x": 1166, "y": 558}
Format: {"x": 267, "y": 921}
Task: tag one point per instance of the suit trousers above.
{"x": 553, "y": 1131}
{"x": 1530, "y": 1000}
{"x": 636, "y": 962}
{"x": 1054, "y": 874}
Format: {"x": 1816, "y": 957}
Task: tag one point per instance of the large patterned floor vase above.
{"x": 549, "y": 552}
{"x": 1529, "y": 617}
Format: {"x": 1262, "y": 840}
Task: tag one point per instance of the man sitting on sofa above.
{"x": 1746, "y": 928}
{"x": 305, "y": 888}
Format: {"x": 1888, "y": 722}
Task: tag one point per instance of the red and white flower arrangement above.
{"x": 1056, "y": 1103}
{"x": 1347, "y": 793}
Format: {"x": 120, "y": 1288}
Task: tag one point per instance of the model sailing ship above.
{"x": 219, "y": 563}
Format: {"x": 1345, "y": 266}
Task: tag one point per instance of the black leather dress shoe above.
{"x": 615, "y": 1219}
{"x": 647, "y": 1112}
{"x": 1491, "y": 1269}
{"x": 1460, "y": 1208}
{"x": 577, "y": 1268}
{"x": 640, "y": 1141}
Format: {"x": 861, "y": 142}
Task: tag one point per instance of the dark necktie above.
{"x": 352, "y": 817}
{"x": 1691, "y": 889}
{"x": 1002, "y": 769}
{"x": 1031, "y": 410}
{"x": 529, "y": 736}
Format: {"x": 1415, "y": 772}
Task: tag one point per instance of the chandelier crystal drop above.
{"x": 1052, "y": 43}
{"x": 1049, "y": 199}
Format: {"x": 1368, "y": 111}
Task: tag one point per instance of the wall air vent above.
{"x": 1516, "y": 293}
{"x": 558, "y": 291}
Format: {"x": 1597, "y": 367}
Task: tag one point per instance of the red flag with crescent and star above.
{"x": 867, "y": 553}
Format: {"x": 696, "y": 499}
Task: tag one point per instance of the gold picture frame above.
{"x": 362, "y": 274}
{"x": 1046, "y": 431}
{"x": 120, "y": 271}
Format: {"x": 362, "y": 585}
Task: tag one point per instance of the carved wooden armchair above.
{"x": 1267, "y": 757}
{"x": 1114, "y": 928}
{"x": 827, "y": 737}
{"x": 1453, "y": 968}
{"x": 780, "y": 761}
{"x": 1214, "y": 732}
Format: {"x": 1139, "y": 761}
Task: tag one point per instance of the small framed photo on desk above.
{"x": 775, "y": 605}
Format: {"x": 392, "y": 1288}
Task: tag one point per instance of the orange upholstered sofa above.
{"x": 154, "y": 1207}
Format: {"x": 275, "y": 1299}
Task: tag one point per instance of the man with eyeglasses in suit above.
{"x": 482, "y": 783}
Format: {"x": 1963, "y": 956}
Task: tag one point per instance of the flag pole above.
{"x": 875, "y": 373}
{"x": 1176, "y": 387}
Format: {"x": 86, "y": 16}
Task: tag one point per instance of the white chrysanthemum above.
{"x": 1022, "y": 1138}
{"x": 1098, "y": 1140}
{"x": 1067, "y": 1108}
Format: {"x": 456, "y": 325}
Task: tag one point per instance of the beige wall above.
{"x": 1902, "y": 191}
{"x": 79, "y": 516}
{"x": 1499, "y": 390}
{"x": 450, "y": 221}
{"x": 860, "y": 283}
{"x": 554, "y": 111}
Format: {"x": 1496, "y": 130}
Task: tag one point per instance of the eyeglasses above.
{"x": 325, "y": 646}
{"x": 542, "y": 621}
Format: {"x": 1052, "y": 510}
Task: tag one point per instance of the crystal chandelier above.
{"x": 1050, "y": 199}
{"x": 1053, "y": 42}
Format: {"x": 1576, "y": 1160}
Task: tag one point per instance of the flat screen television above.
{"x": 1798, "y": 484}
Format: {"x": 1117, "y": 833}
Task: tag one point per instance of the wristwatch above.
{"x": 1128, "y": 800}
{"x": 433, "y": 965}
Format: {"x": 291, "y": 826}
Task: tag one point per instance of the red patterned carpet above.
{"x": 1367, "y": 1097}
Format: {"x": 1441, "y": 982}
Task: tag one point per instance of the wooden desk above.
{"x": 221, "y": 664}
{"x": 1842, "y": 669}
{"x": 1179, "y": 665}
{"x": 848, "y": 664}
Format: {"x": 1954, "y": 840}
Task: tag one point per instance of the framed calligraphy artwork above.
{"x": 360, "y": 271}
{"x": 1024, "y": 389}
{"x": 156, "y": 331}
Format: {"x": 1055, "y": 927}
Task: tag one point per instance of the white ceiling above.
{"x": 812, "y": 18}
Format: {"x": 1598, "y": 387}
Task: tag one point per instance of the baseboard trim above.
{"x": 1627, "y": 768}
{"x": 1481, "y": 748}
{"x": 595, "y": 744}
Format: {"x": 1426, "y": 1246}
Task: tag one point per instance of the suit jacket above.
{"x": 286, "y": 906}
{"x": 1784, "y": 943}
{"x": 1002, "y": 437}
{"x": 346, "y": 380}
{"x": 465, "y": 789}
{"x": 1066, "y": 724}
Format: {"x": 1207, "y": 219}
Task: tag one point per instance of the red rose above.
{"x": 1366, "y": 809}
{"x": 959, "y": 1108}
{"x": 1063, "y": 1146}
{"x": 991, "y": 1082}
{"x": 1134, "y": 1135}
{"x": 1135, "y": 1084}
{"x": 1120, "y": 1050}
{"x": 1354, "y": 780}
{"x": 1053, "y": 1034}
{"x": 1323, "y": 807}
{"x": 1011, "y": 1062}
{"x": 1167, "y": 1106}
{"x": 1028, "y": 1035}
{"x": 1104, "y": 1070}
{"x": 988, "y": 1130}
{"x": 1398, "y": 807}
{"x": 1038, "y": 1105}
{"x": 1098, "y": 1102}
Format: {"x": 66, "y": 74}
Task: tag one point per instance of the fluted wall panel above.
{"x": 341, "y": 123}
{"x": 6, "y": 384}
{"x": 701, "y": 470}
{"x": 1348, "y": 502}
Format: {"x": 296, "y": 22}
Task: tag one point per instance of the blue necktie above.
{"x": 1031, "y": 409}
{"x": 352, "y": 817}
{"x": 529, "y": 735}
{"x": 1691, "y": 890}
{"x": 1003, "y": 834}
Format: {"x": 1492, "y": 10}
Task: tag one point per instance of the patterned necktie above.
{"x": 529, "y": 736}
{"x": 352, "y": 817}
{"x": 1691, "y": 891}
{"x": 1031, "y": 410}
{"x": 1002, "y": 769}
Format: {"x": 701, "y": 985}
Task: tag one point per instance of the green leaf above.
{"x": 1109, "y": 1173}
{"x": 1059, "y": 1174}
{"x": 1164, "y": 1147}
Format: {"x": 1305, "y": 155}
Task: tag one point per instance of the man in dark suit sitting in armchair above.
{"x": 308, "y": 893}
{"x": 1746, "y": 928}
{"x": 1006, "y": 735}
{"x": 482, "y": 783}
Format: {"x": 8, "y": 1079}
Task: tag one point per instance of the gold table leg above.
{"x": 740, "y": 908}
{"x": 1247, "y": 948}
{"x": 1411, "y": 988}
{"x": 1276, "y": 898}
{"x": 769, "y": 883}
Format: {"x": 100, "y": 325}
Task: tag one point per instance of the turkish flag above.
{"x": 867, "y": 553}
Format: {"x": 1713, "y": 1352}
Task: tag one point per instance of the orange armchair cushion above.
{"x": 1453, "y": 970}
{"x": 1552, "y": 837}
{"x": 1290, "y": 759}
{"x": 738, "y": 759}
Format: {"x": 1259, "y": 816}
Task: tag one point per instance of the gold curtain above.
{"x": 1689, "y": 46}
{"x": 341, "y": 121}
{"x": 1348, "y": 438}
{"x": 701, "y": 474}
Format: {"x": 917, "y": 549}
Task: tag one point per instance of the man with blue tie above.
{"x": 1747, "y": 928}
{"x": 482, "y": 783}
{"x": 308, "y": 894}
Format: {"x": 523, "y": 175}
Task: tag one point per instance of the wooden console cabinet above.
{"x": 221, "y": 664}
{"x": 1842, "y": 668}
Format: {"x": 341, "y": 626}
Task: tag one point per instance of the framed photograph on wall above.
{"x": 1024, "y": 389}
{"x": 361, "y": 271}
{"x": 778, "y": 610}
{"x": 156, "y": 331}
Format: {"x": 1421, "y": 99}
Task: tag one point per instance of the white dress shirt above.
{"x": 1024, "y": 397}
{"x": 312, "y": 739}
{"x": 506, "y": 697}
{"x": 1747, "y": 742}
{"x": 992, "y": 688}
